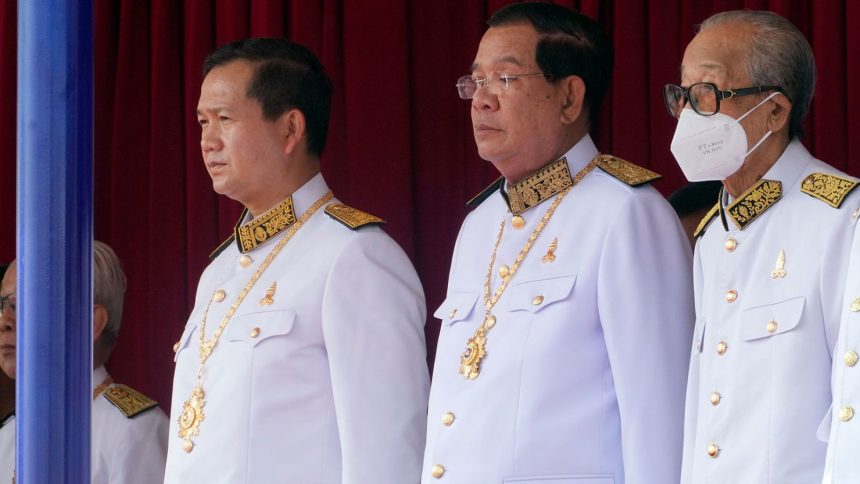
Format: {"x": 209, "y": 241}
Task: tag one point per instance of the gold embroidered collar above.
{"x": 539, "y": 187}
{"x": 754, "y": 202}
{"x": 256, "y": 232}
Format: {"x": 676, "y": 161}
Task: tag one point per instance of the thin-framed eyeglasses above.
{"x": 704, "y": 97}
{"x": 468, "y": 85}
{"x": 7, "y": 302}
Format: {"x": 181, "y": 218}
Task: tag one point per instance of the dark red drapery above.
{"x": 400, "y": 143}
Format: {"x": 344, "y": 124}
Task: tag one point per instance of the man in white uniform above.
{"x": 129, "y": 431}
{"x": 562, "y": 353}
{"x": 304, "y": 358}
{"x": 771, "y": 255}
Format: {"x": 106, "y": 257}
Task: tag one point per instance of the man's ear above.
{"x": 100, "y": 319}
{"x": 779, "y": 115}
{"x": 292, "y": 128}
{"x": 573, "y": 98}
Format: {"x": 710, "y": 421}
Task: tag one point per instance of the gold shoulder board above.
{"x": 633, "y": 175}
{"x": 351, "y": 217}
{"x": 128, "y": 400}
{"x": 830, "y": 189}
{"x": 215, "y": 253}
{"x": 485, "y": 193}
{"x": 706, "y": 220}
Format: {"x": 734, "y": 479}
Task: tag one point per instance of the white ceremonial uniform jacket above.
{"x": 583, "y": 380}
{"x": 843, "y": 450}
{"x": 328, "y": 382}
{"x": 123, "y": 450}
{"x": 768, "y": 300}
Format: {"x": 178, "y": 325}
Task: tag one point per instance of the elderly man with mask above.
{"x": 770, "y": 259}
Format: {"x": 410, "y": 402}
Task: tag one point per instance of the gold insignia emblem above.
{"x": 351, "y": 217}
{"x": 633, "y": 175}
{"x": 541, "y": 186}
{"x": 476, "y": 350}
{"x": 778, "y": 272}
{"x": 550, "y": 251}
{"x": 190, "y": 418}
{"x": 754, "y": 202}
{"x": 831, "y": 189}
{"x": 128, "y": 400}
{"x": 269, "y": 298}
{"x": 264, "y": 227}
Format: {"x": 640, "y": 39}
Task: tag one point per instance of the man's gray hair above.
{"x": 109, "y": 285}
{"x": 779, "y": 55}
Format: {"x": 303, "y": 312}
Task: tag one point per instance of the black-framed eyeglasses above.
{"x": 7, "y": 302}
{"x": 468, "y": 85}
{"x": 704, "y": 97}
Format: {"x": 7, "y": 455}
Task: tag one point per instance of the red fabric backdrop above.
{"x": 400, "y": 143}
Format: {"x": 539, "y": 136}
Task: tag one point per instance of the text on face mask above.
{"x": 713, "y": 147}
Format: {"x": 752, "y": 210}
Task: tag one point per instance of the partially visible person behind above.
{"x": 7, "y": 414}
{"x": 692, "y": 202}
{"x": 129, "y": 431}
{"x": 770, "y": 261}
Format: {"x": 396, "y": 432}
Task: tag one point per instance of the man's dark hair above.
{"x": 287, "y": 76}
{"x": 570, "y": 44}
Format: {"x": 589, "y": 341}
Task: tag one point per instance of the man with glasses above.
{"x": 563, "y": 349}
{"x": 129, "y": 431}
{"x": 770, "y": 260}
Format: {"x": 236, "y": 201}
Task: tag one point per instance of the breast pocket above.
{"x": 256, "y": 327}
{"x": 769, "y": 320}
{"x": 458, "y": 306}
{"x": 538, "y": 295}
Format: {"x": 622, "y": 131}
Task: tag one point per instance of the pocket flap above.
{"x": 771, "y": 319}
{"x": 456, "y": 307}
{"x": 252, "y": 328}
{"x": 536, "y": 295}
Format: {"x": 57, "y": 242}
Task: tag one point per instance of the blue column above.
{"x": 54, "y": 237}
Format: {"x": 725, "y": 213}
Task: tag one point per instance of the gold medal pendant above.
{"x": 476, "y": 350}
{"x": 191, "y": 416}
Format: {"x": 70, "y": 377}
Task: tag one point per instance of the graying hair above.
{"x": 109, "y": 284}
{"x": 779, "y": 55}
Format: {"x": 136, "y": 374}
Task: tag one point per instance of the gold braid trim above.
{"x": 830, "y": 189}
{"x": 754, "y": 202}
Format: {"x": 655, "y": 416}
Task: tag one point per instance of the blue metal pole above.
{"x": 54, "y": 238}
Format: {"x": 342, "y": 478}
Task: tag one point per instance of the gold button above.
{"x": 731, "y": 245}
{"x": 245, "y": 260}
{"x": 846, "y": 413}
{"x": 176, "y": 347}
{"x": 437, "y": 471}
{"x": 219, "y": 295}
{"x": 851, "y": 358}
{"x": 715, "y": 398}
{"x": 771, "y": 327}
{"x": 518, "y": 222}
{"x": 453, "y": 313}
{"x": 855, "y": 305}
{"x": 448, "y": 419}
{"x": 731, "y": 296}
{"x": 713, "y": 450}
{"x": 855, "y": 213}
{"x": 255, "y": 332}
{"x": 504, "y": 271}
{"x": 491, "y": 321}
{"x": 722, "y": 346}
{"x": 537, "y": 301}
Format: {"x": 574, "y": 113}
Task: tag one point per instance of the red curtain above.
{"x": 400, "y": 144}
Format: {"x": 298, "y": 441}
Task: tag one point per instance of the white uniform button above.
{"x": 855, "y": 213}
{"x": 771, "y": 327}
{"x": 448, "y": 419}
{"x": 245, "y": 260}
{"x": 219, "y": 295}
{"x": 176, "y": 347}
{"x": 851, "y": 358}
{"x": 255, "y": 332}
{"x": 722, "y": 347}
{"x": 731, "y": 296}
{"x": 715, "y": 398}
{"x": 437, "y": 471}
{"x": 846, "y": 413}
{"x": 713, "y": 450}
{"x": 855, "y": 305}
{"x": 537, "y": 301}
{"x": 731, "y": 245}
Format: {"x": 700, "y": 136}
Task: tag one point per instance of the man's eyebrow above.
{"x": 505, "y": 59}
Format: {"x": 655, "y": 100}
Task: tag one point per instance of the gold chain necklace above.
{"x": 192, "y": 410}
{"x": 476, "y": 347}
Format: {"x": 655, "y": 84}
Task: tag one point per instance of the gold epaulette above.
{"x": 351, "y": 217}
{"x": 830, "y": 189}
{"x": 633, "y": 175}
{"x": 706, "y": 220}
{"x": 128, "y": 400}
{"x": 215, "y": 253}
{"x": 485, "y": 193}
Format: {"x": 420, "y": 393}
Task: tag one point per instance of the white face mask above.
{"x": 712, "y": 147}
